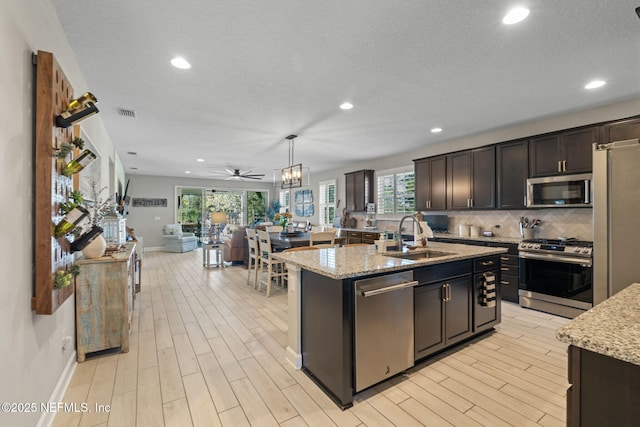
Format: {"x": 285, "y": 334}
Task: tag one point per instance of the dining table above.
{"x": 280, "y": 242}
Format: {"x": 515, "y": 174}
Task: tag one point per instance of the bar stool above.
{"x": 275, "y": 267}
{"x": 254, "y": 257}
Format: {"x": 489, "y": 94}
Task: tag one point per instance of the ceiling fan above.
{"x": 240, "y": 176}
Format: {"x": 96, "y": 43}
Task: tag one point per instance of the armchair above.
{"x": 177, "y": 241}
{"x": 234, "y": 246}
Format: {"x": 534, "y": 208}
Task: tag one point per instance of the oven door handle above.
{"x": 586, "y": 262}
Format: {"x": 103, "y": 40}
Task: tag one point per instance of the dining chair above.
{"x": 274, "y": 228}
{"x": 254, "y": 256}
{"x": 325, "y": 238}
{"x": 275, "y": 268}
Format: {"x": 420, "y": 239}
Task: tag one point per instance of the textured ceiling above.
{"x": 262, "y": 70}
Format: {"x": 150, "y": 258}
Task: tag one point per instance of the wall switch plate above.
{"x": 157, "y": 218}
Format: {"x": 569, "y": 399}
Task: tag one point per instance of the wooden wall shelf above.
{"x": 53, "y": 94}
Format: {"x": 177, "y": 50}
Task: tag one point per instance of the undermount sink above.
{"x": 420, "y": 255}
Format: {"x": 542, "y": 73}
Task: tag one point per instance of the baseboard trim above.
{"x": 294, "y": 358}
{"x": 46, "y": 419}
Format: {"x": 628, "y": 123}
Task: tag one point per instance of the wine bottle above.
{"x": 71, "y": 117}
{"x": 86, "y": 238}
{"x": 76, "y": 165}
{"x": 80, "y": 102}
{"x": 70, "y": 220}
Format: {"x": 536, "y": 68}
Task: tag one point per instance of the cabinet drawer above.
{"x": 509, "y": 259}
{"x": 441, "y": 272}
{"x": 355, "y": 234}
{"x": 484, "y": 264}
{"x": 511, "y": 270}
{"x": 509, "y": 280}
{"x": 509, "y": 288}
{"x": 370, "y": 236}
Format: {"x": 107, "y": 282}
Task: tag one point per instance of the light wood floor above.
{"x": 208, "y": 350}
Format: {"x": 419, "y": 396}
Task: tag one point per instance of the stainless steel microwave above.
{"x": 560, "y": 191}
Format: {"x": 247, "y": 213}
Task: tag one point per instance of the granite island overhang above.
{"x": 321, "y": 302}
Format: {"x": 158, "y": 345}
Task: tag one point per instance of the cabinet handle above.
{"x": 485, "y": 263}
{"x": 559, "y": 165}
{"x": 502, "y": 282}
{"x": 525, "y": 200}
{"x": 471, "y": 203}
{"x": 468, "y": 203}
{"x": 504, "y": 258}
{"x": 504, "y": 268}
{"x": 564, "y": 166}
{"x": 447, "y": 292}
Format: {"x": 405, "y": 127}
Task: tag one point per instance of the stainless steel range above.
{"x": 556, "y": 276}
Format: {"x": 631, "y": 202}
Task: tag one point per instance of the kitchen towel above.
{"x": 488, "y": 297}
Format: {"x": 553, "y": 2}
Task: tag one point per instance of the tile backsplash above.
{"x": 560, "y": 222}
{"x": 556, "y": 222}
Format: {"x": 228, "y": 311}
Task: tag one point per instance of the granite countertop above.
{"x": 437, "y": 235}
{"x": 495, "y": 239}
{"x": 357, "y": 261}
{"x": 611, "y": 328}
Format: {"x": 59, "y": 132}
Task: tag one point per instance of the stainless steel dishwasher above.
{"x": 383, "y": 327}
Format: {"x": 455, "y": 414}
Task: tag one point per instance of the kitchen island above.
{"x": 453, "y": 298}
{"x": 604, "y": 362}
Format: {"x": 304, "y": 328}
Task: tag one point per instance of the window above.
{"x": 284, "y": 200}
{"x": 396, "y": 192}
{"x": 327, "y": 202}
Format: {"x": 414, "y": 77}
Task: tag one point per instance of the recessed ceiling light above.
{"x": 346, "y": 106}
{"x": 187, "y": 171}
{"x": 181, "y": 63}
{"x": 594, "y": 84}
{"x": 436, "y": 130}
{"x": 515, "y": 15}
{"x": 199, "y": 160}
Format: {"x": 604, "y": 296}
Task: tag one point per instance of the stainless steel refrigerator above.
{"x": 616, "y": 217}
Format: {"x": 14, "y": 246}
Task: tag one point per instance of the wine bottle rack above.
{"x": 51, "y": 188}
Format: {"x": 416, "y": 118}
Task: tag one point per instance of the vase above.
{"x": 96, "y": 248}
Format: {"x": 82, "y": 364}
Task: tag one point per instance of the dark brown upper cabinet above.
{"x": 358, "y": 190}
{"x": 471, "y": 179}
{"x": 431, "y": 183}
{"x": 562, "y": 153}
{"x": 512, "y": 160}
{"x": 621, "y": 130}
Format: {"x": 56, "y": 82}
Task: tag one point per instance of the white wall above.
{"x": 32, "y": 361}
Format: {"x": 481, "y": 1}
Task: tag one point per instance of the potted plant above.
{"x": 282, "y": 219}
{"x": 98, "y": 209}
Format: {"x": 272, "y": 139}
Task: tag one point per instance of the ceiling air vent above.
{"x": 127, "y": 113}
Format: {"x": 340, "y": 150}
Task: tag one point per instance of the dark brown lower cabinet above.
{"x": 442, "y": 307}
{"x": 604, "y": 391}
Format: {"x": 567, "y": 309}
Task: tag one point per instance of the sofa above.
{"x": 234, "y": 245}
{"x": 177, "y": 241}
